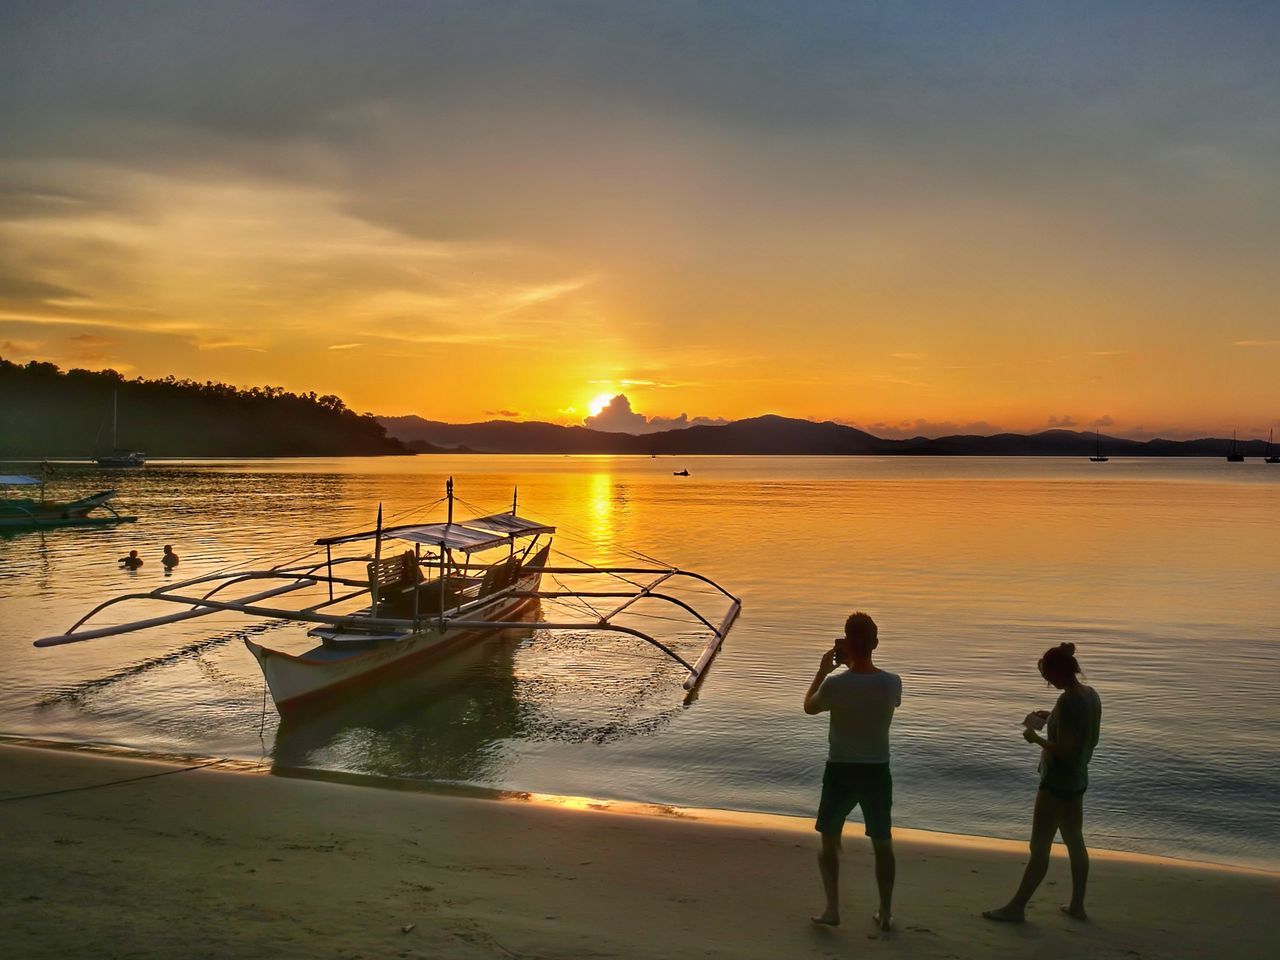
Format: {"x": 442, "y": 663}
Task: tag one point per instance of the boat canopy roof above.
{"x": 481, "y": 534}
{"x": 509, "y": 523}
{"x": 452, "y": 536}
{"x": 17, "y": 480}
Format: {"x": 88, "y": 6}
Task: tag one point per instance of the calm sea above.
{"x": 1165, "y": 574}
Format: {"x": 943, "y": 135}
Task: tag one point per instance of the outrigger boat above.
{"x": 22, "y": 513}
{"x": 402, "y": 618}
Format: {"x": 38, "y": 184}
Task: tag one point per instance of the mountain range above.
{"x": 775, "y": 435}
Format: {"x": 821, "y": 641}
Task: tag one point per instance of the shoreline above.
{"x": 800, "y": 825}
{"x": 110, "y": 856}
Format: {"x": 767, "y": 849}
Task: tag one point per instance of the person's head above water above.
{"x": 133, "y": 553}
{"x": 1059, "y": 665}
{"x": 861, "y": 636}
{"x": 168, "y": 549}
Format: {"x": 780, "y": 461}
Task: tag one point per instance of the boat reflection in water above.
{"x": 469, "y": 718}
{"x": 444, "y": 723}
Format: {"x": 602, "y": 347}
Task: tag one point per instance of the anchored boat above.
{"x": 1233, "y": 453}
{"x": 119, "y": 457}
{"x": 24, "y": 513}
{"x": 454, "y": 584}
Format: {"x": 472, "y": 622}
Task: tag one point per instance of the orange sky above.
{"x": 915, "y": 221}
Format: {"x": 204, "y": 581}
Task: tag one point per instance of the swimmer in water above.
{"x": 132, "y": 561}
{"x": 170, "y": 559}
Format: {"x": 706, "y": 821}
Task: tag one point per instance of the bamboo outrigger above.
{"x": 409, "y": 619}
{"x": 23, "y": 513}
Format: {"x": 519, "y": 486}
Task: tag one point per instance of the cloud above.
{"x": 618, "y": 417}
{"x": 507, "y": 414}
{"x": 12, "y": 348}
{"x": 1064, "y": 422}
{"x": 907, "y": 429}
{"x": 89, "y": 347}
{"x": 1257, "y": 343}
{"x": 345, "y": 346}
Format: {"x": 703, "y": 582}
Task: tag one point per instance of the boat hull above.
{"x": 30, "y": 514}
{"x": 302, "y": 684}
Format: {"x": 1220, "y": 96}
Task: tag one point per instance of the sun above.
{"x": 599, "y": 402}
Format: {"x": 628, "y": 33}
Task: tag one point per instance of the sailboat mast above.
{"x": 115, "y": 409}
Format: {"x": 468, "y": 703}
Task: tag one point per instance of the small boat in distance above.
{"x": 377, "y": 617}
{"x": 1097, "y": 450}
{"x": 680, "y": 473}
{"x": 22, "y": 513}
{"x": 1233, "y": 453}
{"x": 1271, "y": 454}
{"x": 118, "y": 457}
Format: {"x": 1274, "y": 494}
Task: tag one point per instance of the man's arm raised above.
{"x": 812, "y": 704}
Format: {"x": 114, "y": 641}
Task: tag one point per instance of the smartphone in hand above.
{"x": 1034, "y": 720}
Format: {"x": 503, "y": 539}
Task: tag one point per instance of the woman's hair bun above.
{"x": 1068, "y": 648}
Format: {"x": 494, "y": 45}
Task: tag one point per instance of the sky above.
{"x": 916, "y": 218}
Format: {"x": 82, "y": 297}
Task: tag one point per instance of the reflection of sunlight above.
{"x": 570, "y": 803}
{"x": 600, "y": 506}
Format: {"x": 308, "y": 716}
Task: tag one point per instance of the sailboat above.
{"x": 1097, "y": 450}
{"x": 118, "y": 457}
{"x": 1233, "y": 454}
{"x": 1271, "y": 453}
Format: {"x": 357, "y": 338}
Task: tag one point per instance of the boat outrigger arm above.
{"x": 369, "y": 624}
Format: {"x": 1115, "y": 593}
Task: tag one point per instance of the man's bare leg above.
{"x": 829, "y": 867}
{"x": 1044, "y": 824}
{"x": 886, "y": 871}
{"x": 1073, "y": 837}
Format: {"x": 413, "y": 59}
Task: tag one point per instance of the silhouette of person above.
{"x": 861, "y": 701}
{"x": 1073, "y": 729}
{"x": 170, "y": 559}
{"x": 132, "y": 561}
{"x": 412, "y": 575}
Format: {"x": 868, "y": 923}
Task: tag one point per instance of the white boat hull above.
{"x": 302, "y": 682}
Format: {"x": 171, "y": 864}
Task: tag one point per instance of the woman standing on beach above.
{"x": 1064, "y": 776}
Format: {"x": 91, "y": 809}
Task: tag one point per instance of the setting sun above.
{"x": 599, "y": 402}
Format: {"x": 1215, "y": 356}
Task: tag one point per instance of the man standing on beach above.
{"x": 861, "y": 701}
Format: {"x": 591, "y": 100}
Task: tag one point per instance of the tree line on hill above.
{"x": 774, "y": 435}
{"x": 45, "y": 412}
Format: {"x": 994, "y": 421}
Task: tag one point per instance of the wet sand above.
{"x": 209, "y": 863}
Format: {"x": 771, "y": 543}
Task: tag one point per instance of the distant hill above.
{"x": 45, "y": 412}
{"x": 772, "y": 434}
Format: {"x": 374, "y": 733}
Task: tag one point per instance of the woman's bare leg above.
{"x": 1045, "y": 820}
{"x": 1073, "y": 836}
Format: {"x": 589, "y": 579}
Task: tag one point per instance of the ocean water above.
{"x": 1165, "y": 574}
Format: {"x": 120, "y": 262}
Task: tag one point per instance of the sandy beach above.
{"x": 210, "y": 863}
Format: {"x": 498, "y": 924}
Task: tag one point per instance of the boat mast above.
{"x": 115, "y": 399}
{"x": 515, "y": 496}
{"x": 448, "y": 492}
{"x": 377, "y": 555}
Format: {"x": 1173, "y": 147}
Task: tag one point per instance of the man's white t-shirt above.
{"x": 861, "y": 706}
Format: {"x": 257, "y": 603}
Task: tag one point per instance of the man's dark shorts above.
{"x": 848, "y": 785}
